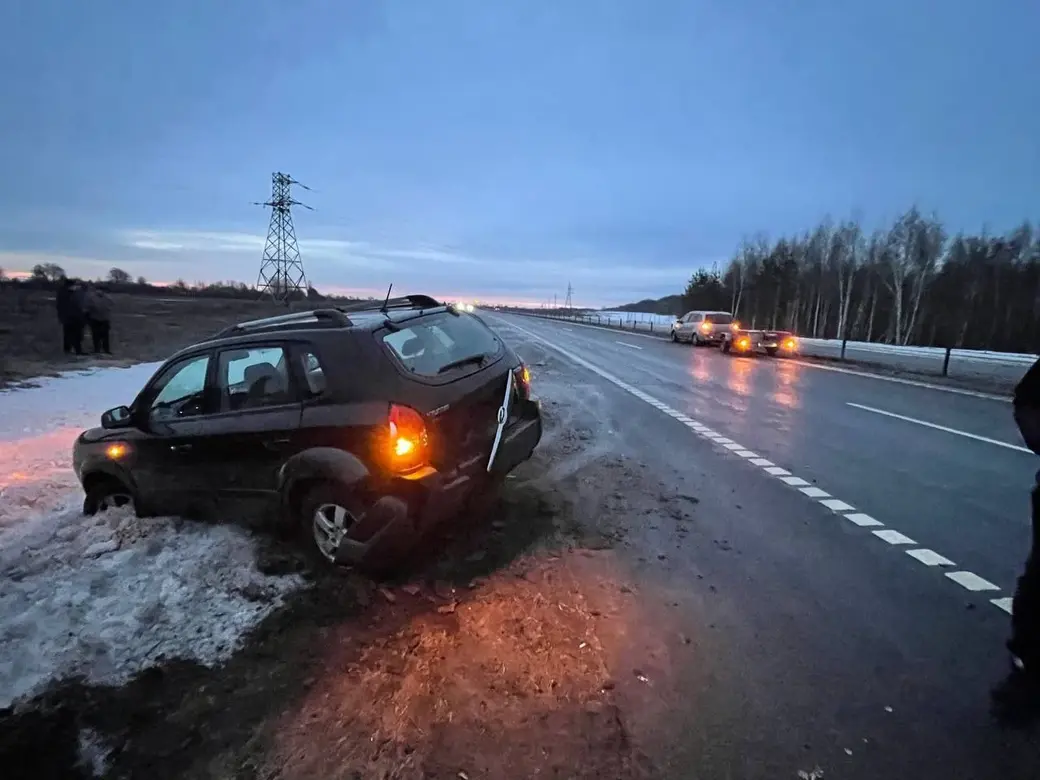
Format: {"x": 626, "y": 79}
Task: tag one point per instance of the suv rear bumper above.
{"x": 447, "y": 494}
{"x": 437, "y": 496}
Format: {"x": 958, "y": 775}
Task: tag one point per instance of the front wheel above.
{"x": 106, "y": 495}
{"x": 674, "y": 338}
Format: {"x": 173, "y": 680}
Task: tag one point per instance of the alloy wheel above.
{"x": 329, "y": 526}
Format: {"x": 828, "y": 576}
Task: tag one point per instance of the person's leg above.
{"x": 77, "y": 336}
{"x": 95, "y": 334}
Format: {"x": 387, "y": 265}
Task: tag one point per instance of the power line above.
{"x": 281, "y": 269}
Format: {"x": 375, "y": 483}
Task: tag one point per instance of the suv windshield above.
{"x": 441, "y": 343}
{"x": 718, "y": 319}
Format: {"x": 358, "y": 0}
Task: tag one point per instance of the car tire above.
{"x": 675, "y": 339}
{"x": 107, "y": 494}
{"x": 329, "y": 510}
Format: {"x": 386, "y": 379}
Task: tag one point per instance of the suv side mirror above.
{"x": 119, "y": 417}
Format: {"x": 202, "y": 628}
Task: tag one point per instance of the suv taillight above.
{"x": 408, "y": 446}
{"x": 522, "y": 380}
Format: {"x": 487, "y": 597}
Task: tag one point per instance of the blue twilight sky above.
{"x": 501, "y": 148}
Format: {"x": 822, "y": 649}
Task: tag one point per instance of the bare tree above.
{"x": 48, "y": 272}
{"x": 119, "y": 276}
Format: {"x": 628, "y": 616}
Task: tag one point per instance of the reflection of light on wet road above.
{"x": 699, "y": 368}
{"x": 787, "y": 377}
{"x": 739, "y": 372}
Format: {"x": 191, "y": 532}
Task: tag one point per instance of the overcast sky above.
{"x": 501, "y": 148}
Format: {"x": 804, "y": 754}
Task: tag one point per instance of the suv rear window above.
{"x": 718, "y": 319}
{"x": 433, "y": 345}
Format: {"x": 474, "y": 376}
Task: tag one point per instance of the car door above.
{"x": 255, "y": 428}
{"x": 172, "y": 414}
{"x": 691, "y": 325}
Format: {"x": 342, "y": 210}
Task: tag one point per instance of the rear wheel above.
{"x": 106, "y": 494}
{"x": 330, "y": 511}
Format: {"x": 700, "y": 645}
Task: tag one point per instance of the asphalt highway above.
{"x": 871, "y": 534}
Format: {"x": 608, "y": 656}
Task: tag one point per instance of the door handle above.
{"x": 274, "y": 444}
{"x": 180, "y": 448}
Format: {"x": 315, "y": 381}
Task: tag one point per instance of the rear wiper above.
{"x": 478, "y": 359}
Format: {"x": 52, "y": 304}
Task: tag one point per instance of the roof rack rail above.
{"x": 403, "y": 302}
{"x": 327, "y": 316}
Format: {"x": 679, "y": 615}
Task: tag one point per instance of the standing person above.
{"x": 1020, "y": 694}
{"x": 99, "y": 317}
{"x": 69, "y": 304}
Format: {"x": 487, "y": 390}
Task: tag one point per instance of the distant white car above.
{"x": 703, "y": 327}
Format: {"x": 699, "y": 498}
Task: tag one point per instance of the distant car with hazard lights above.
{"x": 702, "y": 328}
{"x": 360, "y": 428}
{"x": 771, "y": 342}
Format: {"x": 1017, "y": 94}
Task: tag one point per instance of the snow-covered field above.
{"x": 105, "y": 597}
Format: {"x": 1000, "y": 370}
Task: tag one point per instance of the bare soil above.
{"x": 517, "y": 646}
{"x": 144, "y": 328}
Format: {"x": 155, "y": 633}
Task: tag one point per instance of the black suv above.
{"x": 364, "y": 426}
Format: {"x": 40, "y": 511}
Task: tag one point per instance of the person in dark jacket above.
{"x": 99, "y": 318}
{"x": 69, "y": 303}
{"x": 1020, "y": 693}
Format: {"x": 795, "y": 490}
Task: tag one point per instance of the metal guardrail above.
{"x": 1003, "y": 368}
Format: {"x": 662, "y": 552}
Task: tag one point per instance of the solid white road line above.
{"x": 934, "y": 426}
{"x": 626, "y": 344}
{"x": 901, "y": 381}
{"x": 966, "y": 579}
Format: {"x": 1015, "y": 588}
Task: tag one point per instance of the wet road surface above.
{"x": 840, "y": 607}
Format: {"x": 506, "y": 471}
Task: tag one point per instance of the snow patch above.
{"x": 93, "y": 752}
{"x": 106, "y": 596}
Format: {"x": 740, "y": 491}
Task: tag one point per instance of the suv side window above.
{"x": 181, "y": 391}
{"x": 313, "y": 373}
{"x": 253, "y": 378}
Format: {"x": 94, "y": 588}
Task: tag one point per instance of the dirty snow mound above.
{"x": 106, "y": 599}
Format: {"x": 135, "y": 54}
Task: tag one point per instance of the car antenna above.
{"x": 387, "y": 299}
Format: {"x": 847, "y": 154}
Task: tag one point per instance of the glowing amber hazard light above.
{"x": 116, "y": 451}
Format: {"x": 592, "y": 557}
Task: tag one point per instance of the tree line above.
{"x": 909, "y": 284}
{"x": 48, "y": 275}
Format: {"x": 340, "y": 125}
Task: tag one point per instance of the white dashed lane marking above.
{"x": 626, "y": 344}
{"x": 930, "y": 558}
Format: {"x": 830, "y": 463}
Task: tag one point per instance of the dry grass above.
{"x": 512, "y": 681}
{"x": 143, "y": 329}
